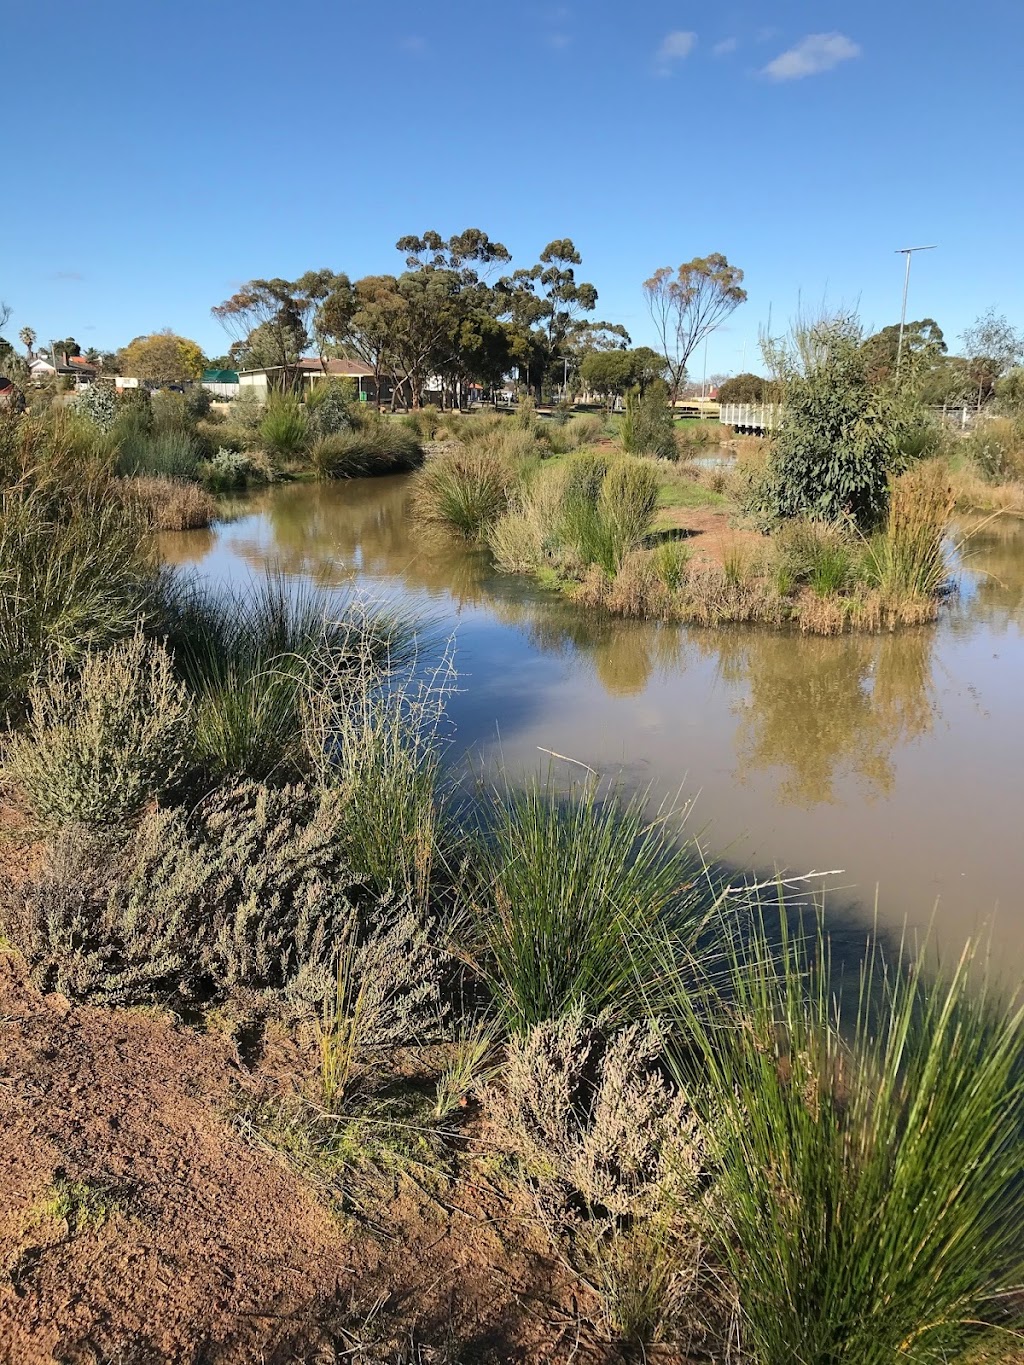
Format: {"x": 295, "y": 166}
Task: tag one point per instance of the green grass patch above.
{"x": 83, "y": 1205}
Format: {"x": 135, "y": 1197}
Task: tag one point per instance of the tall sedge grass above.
{"x": 466, "y": 490}
{"x": 75, "y": 574}
{"x": 375, "y": 448}
{"x": 907, "y": 558}
{"x": 169, "y": 504}
{"x": 824, "y": 555}
{"x": 870, "y": 1166}
{"x": 284, "y": 429}
{"x": 251, "y": 659}
{"x": 578, "y": 432}
{"x": 167, "y": 453}
{"x": 377, "y": 738}
{"x": 628, "y": 504}
{"x": 578, "y": 898}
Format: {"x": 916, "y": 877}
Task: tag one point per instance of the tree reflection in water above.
{"x": 823, "y": 709}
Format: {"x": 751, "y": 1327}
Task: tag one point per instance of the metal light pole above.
{"x": 907, "y": 251}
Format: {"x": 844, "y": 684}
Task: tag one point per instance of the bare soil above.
{"x": 709, "y": 531}
{"x": 213, "y": 1250}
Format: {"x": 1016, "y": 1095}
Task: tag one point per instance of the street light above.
{"x": 907, "y": 251}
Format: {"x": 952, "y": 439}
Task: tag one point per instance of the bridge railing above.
{"x": 748, "y": 416}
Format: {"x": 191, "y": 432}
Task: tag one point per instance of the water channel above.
{"x": 897, "y": 761}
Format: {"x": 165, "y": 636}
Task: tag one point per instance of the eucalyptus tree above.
{"x": 545, "y": 305}
{"x": 688, "y": 304}
{"x": 266, "y": 320}
{"x": 991, "y": 348}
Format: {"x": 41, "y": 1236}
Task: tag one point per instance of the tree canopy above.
{"x": 163, "y": 357}
{"x": 613, "y": 373}
{"x": 688, "y": 304}
{"x": 743, "y": 388}
{"x": 923, "y": 347}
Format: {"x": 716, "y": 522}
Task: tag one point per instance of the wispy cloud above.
{"x": 726, "y": 46}
{"x": 675, "y": 47}
{"x": 412, "y": 42}
{"x": 557, "y": 40}
{"x": 816, "y": 53}
{"x": 75, "y": 276}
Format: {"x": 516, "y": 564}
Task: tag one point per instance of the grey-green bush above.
{"x": 102, "y": 740}
{"x": 114, "y": 920}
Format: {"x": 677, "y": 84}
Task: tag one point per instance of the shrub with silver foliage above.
{"x": 101, "y": 744}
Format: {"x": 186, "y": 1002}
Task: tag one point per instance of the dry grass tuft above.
{"x": 169, "y": 504}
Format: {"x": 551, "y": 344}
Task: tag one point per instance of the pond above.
{"x": 894, "y": 762}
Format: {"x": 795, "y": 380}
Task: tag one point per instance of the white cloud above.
{"x": 675, "y": 47}
{"x": 816, "y": 53}
{"x": 558, "y": 40}
{"x": 726, "y": 46}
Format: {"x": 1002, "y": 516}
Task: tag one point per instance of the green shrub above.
{"x": 135, "y": 408}
{"x": 284, "y": 428}
{"x": 645, "y": 427}
{"x": 465, "y": 489}
{"x": 578, "y": 900}
{"x": 247, "y": 411}
{"x": 99, "y": 404}
{"x": 871, "y": 1195}
{"x": 198, "y": 404}
{"x": 230, "y": 470}
{"x": 329, "y": 406}
{"x": 101, "y": 744}
{"x": 839, "y": 437}
{"x": 75, "y": 575}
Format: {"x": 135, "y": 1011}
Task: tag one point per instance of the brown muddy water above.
{"x": 895, "y": 761}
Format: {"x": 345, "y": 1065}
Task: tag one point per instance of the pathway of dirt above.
{"x": 213, "y": 1251}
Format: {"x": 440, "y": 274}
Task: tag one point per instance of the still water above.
{"x": 897, "y": 761}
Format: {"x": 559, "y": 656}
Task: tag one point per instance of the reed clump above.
{"x": 465, "y": 489}
{"x": 170, "y": 504}
{"x": 870, "y": 1194}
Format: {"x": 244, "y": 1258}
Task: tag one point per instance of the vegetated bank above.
{"x": 520, "y": 1075}
{"x": 173, "y": 452}
{"x": 838, "y": 521}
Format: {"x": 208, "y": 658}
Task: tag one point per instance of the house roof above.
{"x": 343, "y": 369}
{"x": 346, "y": 369}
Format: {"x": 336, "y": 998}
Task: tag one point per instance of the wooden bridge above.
{"x": 749, "y": 419}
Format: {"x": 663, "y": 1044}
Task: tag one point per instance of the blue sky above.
{"x": 172, "y": 151}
